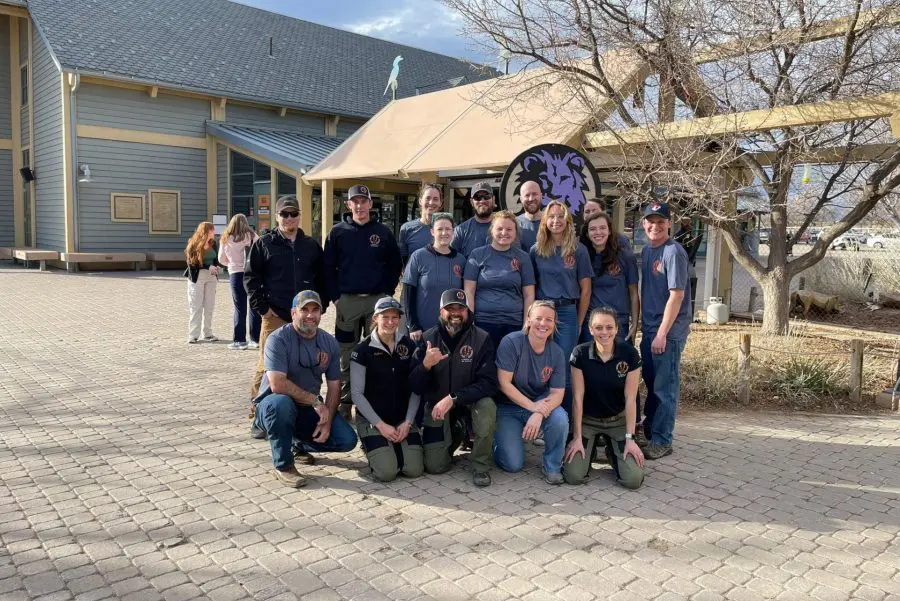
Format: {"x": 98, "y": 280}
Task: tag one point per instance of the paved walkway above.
{"x": 126, "y": 473}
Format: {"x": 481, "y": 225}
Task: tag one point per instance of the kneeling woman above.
{"x": 531, "y": 369}
{"x": 379, "y": 385}
{"x": 605, "y": 377}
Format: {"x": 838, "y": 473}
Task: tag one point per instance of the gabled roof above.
{"x": 289, "y": 150}
{"x": 222, "y": 48}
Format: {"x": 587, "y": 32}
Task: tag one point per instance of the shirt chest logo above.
{"x": 374, "y": 240}
{"x": 402, "y": 351}
{"x": 323, "y": 359}
{"x": 569, "y": 261}
{"x": 514, "y": 265}
{"x": 658, "y": 267}
{"x": 466, "y": 353}
{"x": 546, "y": 374}
{"x": 457, "y": 271}
{"x": 622, "y": 368}
{"x": 614, "y": 270}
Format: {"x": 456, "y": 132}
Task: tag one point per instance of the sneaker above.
{"x": 290, "y": 477}
{"x": 210, "y": 339}
{"x": 657, "y": 451}
{"x": 554, "y": 478}
{"x": 481, "y": 479}
{"x": 302, "y": 455}
{"x": 193, "y": 341}
{"x": 252, "y": 345}
{"x": 257, "y": 432}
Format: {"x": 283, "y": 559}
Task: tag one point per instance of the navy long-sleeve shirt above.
{"x": 361, "y": 259}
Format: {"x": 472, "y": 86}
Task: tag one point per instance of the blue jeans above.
{"x": 497, "y": 331}
{"x": 567, "y": 337}
{"x": 284, "y": 420}
{"x": 509, "y": 447}
{"x": 662, "y": 375}
{"x": 239, "y": 296}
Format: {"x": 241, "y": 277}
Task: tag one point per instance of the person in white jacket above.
{"x": 236, "y": 239}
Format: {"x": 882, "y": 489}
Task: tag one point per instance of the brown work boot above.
{"x": 290, "y": 477}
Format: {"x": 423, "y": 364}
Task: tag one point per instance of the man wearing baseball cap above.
{"x": 454, "y": 372}
{"x": 665, "y": 323}
{"x": 473, "y": 233}
{"x": 289, "y": 406}
{"x": 362, "y": 264}
{"x": 281, "y": 263}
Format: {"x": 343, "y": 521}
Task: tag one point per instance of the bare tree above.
{"x": 713, "y": 58}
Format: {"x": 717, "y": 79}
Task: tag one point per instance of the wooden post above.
{"x": 744, "y": 368}
{"x": 856, "y": 369}
{"x": 327, "y": 207}
{"x": 754, "y": 294}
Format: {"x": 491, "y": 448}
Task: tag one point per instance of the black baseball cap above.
{"x": 359, "y": 190}
{"x": 287, "y": 202}
{"x": 658, "y": 208}
{"x": 453, "y": 296}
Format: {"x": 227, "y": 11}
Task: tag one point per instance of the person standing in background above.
{"x": 530, "y": 220}
{"x": 473, "y": 233}
{"x": 202, "y": 272}
{"x": 236, "y": 241}
{"x": 416, "y": 234}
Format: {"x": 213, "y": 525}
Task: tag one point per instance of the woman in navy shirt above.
{"x": 416, "y": 234}
{"x": 615, "y": 280}
{"x": 430, "y": 271}
{"x": 499, "y": 279}
{"x": 606, "y": 373}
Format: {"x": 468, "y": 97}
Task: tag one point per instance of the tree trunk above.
{"x": 776, "y": 289}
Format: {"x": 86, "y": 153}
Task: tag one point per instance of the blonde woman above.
{"x": 563, "y": 269}
{"x": 202, "y": 272}
{"x": 236, "y": 240}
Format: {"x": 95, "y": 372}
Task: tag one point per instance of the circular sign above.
{"x": 562, "y": 172}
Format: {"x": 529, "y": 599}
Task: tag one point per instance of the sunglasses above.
{"x": 288, "y": 214}
{"x": 482, "y": 197}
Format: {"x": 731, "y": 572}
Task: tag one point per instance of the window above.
{"x": 24, "y": 82}
{"x": 286, "y": 184}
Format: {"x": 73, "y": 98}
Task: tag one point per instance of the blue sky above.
{"x": 424, "y": 24}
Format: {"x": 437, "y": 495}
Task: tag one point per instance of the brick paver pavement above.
{"x": 127, "y": 474}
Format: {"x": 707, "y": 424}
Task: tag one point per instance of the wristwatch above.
{"x": 629, "y": 436}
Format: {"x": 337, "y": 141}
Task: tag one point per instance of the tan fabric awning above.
{"x": 477, "y": 126}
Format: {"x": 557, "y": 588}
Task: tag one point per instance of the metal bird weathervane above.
{"x": 392, "y": 80}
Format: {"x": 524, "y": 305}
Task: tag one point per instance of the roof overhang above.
{"x": 291, "y": 152}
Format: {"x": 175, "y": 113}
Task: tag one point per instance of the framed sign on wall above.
{"x": 165, "y": 212}
{"x": 126, "y": 208}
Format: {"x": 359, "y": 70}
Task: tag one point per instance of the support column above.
{"x": 619, "y": 214}
{"x": 16, "y": 105}
{"x": 304, "y": 197}
{"x": 274, "y": 193}
{"x": 68, "y": 163}
{"x": 327, "y": 207}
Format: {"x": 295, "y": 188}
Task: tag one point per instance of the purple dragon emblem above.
{"x": 561, "y": 176}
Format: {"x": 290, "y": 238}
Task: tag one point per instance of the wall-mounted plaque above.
{"x": 165, "y": 212}
{"x": 126, "y": 208}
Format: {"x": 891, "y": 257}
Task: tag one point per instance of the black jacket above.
{"x": 193, "y": 271}
{"x": 277, "y": 270}
{"x": 361, "y": 259}
{"x": 387, "y": 376}
{"x": 469, "y": 372}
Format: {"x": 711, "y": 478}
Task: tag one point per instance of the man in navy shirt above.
{"x": 362, "y": 264}
{"x": 473, "y": 233}
{"x": 532, "y": 202}
{"x": 665, "y": 323}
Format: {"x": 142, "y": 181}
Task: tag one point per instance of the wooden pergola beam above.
{"x": 830, "y": 111}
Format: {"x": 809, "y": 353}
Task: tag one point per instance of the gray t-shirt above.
{"x": 432, "y": 273}
{"x": 469, "y": 235}
{"x": 664, "y": 268}
{"x": 304, "y": 360}
{"x": 529, "y": 230}
{"x": 533, "y": 374}
{"x": 560, "y": 278}
{"x": 611, "y": 288}
{"x": 499, "y": 277}
{"x": 413, "y": 236}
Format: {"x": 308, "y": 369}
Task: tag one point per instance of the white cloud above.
{"x": 414, "y": 20}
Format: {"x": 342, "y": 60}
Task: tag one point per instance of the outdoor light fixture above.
{"x": 84, "y": 174}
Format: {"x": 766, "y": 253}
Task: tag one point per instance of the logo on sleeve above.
{"x": 466, "y": 352}
{"x": 622, "y": 368}
{"x": 546, "y": 374}
{"x": 614, "y": 270}
{"x": 374, "y": 240}
{"x": 514, "y": 265}
{"x": 324, "y": 359}
{"x": 569, "y": 261}
{"x": 457, "y": 271}
{"x": 658, "y": 267}
{"x": 402, "y": 351}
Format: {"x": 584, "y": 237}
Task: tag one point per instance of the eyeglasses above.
{"x": 289, "y": 214}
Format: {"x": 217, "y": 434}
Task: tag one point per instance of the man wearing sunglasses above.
{"x": 473, "y": 233}
{"x": 362, "y": 264}
{"x": 281, "y": 263}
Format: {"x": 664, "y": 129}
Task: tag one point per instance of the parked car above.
{"x": 846, "y": 242}
{"x": 814, "y": 236}
{"x": 884, "y": 241}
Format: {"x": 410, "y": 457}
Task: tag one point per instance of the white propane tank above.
{"x": 717, "y": 311}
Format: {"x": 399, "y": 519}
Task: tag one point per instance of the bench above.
{"x": 73, "y": 259}
{"x": 35, "y": 254}
{"x": 6, "y": 253}
{"x": 165, "y": 257}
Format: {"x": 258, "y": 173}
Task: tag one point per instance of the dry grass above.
{"x": 804, "y": 371}
{"x": 844, "y": 273}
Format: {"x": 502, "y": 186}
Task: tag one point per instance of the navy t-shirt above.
{"x": 534, "y": 374}
{"x": 609, "y": 287}
{"x": 432, "y": 273}
{"x": 604, "y": 381}
{"x": 528, "y": 231}
{"x": 664, "y": 268}
{"x": 499, "y": 277}
{"x": 469, "y": 235}
{"x": 304, "y": 360}
{"x": 413, "y": 236}
{"x": 559, "y": 278}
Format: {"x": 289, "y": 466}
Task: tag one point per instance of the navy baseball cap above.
{"x": 658, "y": 208}
{"x": 386, "y": 304}
{"x": 453, "y": 296}
{"x": 359, "y": 190}
{"x": 306, "y": 297}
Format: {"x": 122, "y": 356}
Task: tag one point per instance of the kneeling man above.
{"x": 289, "y": 407}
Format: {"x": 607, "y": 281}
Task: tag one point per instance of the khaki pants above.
{"x": 352, "y": 322}
{"x": 388, "y": 459}
{"x": 627, "y": 470}
{"x": 440, "y": 443}
{"x": 201, "y": 302}
{"x": 269, "y": 325}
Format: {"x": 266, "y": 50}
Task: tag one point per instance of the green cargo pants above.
{"x": 388, "y": 459}
{"x": 441, "y": 441}
{"x": 352, "y": 323}
{"x": 630, "y": 475}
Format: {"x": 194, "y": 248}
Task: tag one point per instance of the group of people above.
{"x": 516, "y": 329}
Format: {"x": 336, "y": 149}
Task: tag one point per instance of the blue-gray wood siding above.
{"x": 346, "y": 127}
{"x": 7, "y": 218}
{"x": 135, "y": 109}
{"x": 221, "y": 179}
{"x": 25, "y": 122}
{"x": 252, "y": 116}
{"x": 48, "y": 149}
{"x": 5, "y": 83}
{"x": 135, "y": 168}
